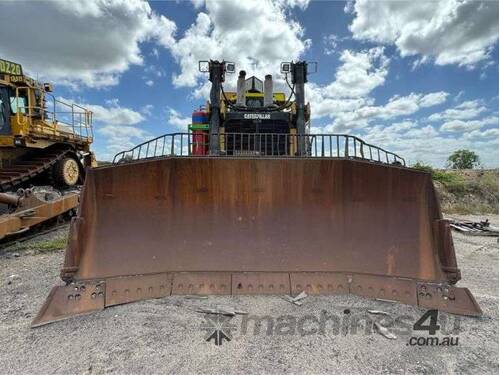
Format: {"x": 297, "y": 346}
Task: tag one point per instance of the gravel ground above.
{"x": 166, "y": 335}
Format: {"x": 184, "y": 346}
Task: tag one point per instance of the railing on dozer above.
{"x": 58, "y": 118}
{"x": 260, "y": 144}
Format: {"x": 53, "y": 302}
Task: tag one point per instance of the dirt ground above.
{"x": 166, "y": 335}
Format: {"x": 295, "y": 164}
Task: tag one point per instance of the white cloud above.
{"x": 347, "y": 100}
{"x": 198, "y": 3}
{"x": 433, "y": 99}
{"x": 177, "y": 120}
{"x": 154, "y": 71}
{"x": 147, "y": 109}
{"x": 302, "y": 4}
{"x": 202, "y": 91}
{"x": 405, "y": 105}
{"x": 111, "y": 114}
{"x": 414, "y": 140}
{"x": 120, "y": 138}
{"x": 483, "y": 134}
{"x": 359, "y": 74}
{"x": 222, "y": 31}
{"x": 117, "y": 131}
{"x": 468, "y": 126}
{"x": 80, "y": 42}
{"x": 459, "y": 96}
{"x": 402, "y": 126}
{"x": 426, "y": 144}
{"x": 464, "y": 111}
{"x": 397, "y": 106}
{"x": 115, "y": 126}
{"x": 114, "y": 114}
{"x": 447, "y": 32}
{"x": 331, "y": 43}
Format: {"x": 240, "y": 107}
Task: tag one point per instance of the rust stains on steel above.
{"x": 32, "y": 211}
{"x": 259, "y": 226}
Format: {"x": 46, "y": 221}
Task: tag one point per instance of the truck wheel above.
{"x": 66, "y": 172}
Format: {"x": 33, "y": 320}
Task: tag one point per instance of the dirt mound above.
{"x": 467, "y": 191}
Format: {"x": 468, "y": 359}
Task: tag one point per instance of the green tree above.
{"x": 463, "y": 159}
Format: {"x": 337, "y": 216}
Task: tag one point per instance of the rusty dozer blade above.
{"x": 187, "y": 225}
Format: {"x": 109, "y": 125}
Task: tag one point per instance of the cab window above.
{"x": 18, "y": 104}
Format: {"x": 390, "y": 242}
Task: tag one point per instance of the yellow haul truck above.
{"x": 43, "y": 142}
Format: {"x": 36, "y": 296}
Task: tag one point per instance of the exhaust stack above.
{"x": 268, "y": 91}
{"x": 240, "y": 89}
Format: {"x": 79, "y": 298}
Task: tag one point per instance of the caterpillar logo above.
{"x": 257, "y": 116}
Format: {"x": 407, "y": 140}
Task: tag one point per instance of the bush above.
{"x": 423, "y": 167}
{"x": 465, "y": 192}
{"x": 446, "y": 178}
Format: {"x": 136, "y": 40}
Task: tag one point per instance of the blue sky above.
{"x": 420, "y": 79}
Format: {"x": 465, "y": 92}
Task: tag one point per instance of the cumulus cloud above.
{"x": 347, "y": 98}
{"x": 117, "y": 128}
{"x": 426, "y": 144}
{"x": 331, "y": 43}
{"x": 176, "y": 119}
{"x": 464, "y": 111}
{"x": 147, "y": 109}
{"x": 405, "y": 105}
{"x": 454, "y": 126}
{"x": 491, "y": 134}
{"x": 120, "y": 138}
{"x": 397, "y": 106}
{"x": 114, "y": 114}
{"x": 302, "y": 4}
{"x": 114, "y": 125}
{"x": 222, "y": 31}
{"x": 360, "y": 73}
{"x": 448, "y": 32}
{"x": 80, "y": 42}
{"x": 469, "y": 125}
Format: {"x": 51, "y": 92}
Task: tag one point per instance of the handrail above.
{"x": 76, "y": 118}
{"x": 260, "y": 144}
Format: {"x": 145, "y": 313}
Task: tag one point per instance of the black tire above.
{"x": 66, "y": 172}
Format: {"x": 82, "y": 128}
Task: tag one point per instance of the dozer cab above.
{"x": 43, "y": 142}
{"x": 249, "y": 202}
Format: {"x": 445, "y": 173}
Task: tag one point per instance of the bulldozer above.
{"x": 44, "y": 142}
{"x": 248, "y": 201}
